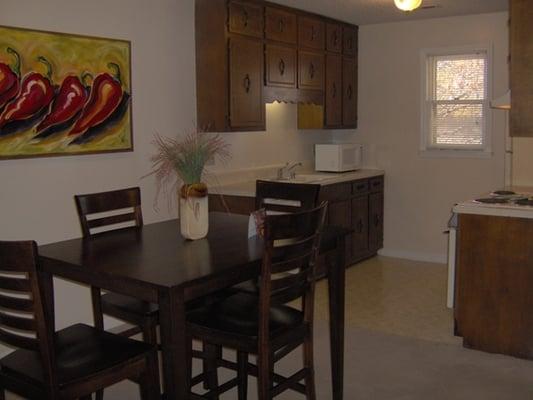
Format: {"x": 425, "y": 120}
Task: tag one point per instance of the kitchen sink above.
{"x": 305, "y": 178}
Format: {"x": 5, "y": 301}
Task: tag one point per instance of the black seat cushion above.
{"x": 80, "y": 350}
{"x": 239, "y": 314}
{"x": 127, "y": 304}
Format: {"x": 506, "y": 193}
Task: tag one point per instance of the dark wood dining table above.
{"x": 154, "y": 263}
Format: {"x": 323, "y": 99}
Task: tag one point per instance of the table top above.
{"x": 157, "y": 255}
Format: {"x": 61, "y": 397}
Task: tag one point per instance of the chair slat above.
{"x": 19, "y": 341}
{"x": 25, "y": 324}
{"x": 15, "y": 284}
{"x": 289, "y": 280}
{"x": 290, "y": 264}
{"x": 17, "y": 304}
{"x": 111, "y": 220}
{"x": 285, "y": 296}
{"x": 108, "y": 201}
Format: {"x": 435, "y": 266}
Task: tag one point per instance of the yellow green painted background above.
{"x": 69, "y": 55}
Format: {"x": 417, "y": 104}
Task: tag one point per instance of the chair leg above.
{"x": 149, "y": 329}
{"x": 99, "y": 394}
{"x": 2, "y": 394}
{"x": 242, "y": 374}
{"x": 264, "y": 375}
{"x": 212, "y": 353}
{"x": 96, "y": 298}
{"x": 310, "y": 391}
{"x": 149, "y": 381}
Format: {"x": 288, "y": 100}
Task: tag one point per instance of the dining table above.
{"x": 156, "y": 264}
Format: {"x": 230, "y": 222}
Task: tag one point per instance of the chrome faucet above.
{"x": 287, "y": 172}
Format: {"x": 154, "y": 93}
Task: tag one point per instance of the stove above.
{"x": 516, "y": 202}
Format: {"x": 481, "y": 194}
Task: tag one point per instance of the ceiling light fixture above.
{"x": 408, "y": 5}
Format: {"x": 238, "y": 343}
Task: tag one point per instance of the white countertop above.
{"x": 498, "y": 210}
{"x": 247, "y": 188}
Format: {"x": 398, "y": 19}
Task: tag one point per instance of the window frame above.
{"x": 427, "y": 82}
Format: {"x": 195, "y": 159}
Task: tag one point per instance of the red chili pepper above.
{"x": 9, "y": 79}
{"x": 70, "y": 100}
{"x": 106, "y": 95}
{"x": 36, "y": 93}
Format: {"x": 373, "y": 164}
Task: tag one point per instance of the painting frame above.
{"x": 127, "y": 118}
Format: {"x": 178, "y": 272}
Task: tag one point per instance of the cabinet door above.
{"x": 339, "y": 214}
{"x": 246, "y": 83}
{"x": 310, "y": 70}
{"x": 375, "y": 234}
{"x": 334, "y": 37}
{"x": 280, "y": 66}
{"x": 333, "y": 90}
{"x": 280, "y": 25}
{"x": 349, "y": 92}
{"x": 246, "y": 19}
{"x": 349, "y": 41}
{"x": 360, "y": 227}
{"x": 311, "y": 33}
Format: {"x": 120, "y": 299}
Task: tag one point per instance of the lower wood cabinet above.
{"x": 360, "y": 223}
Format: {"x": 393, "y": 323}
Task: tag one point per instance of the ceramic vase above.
{"x": 194, "y": 214}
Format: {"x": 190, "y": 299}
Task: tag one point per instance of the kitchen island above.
{"x": 494, "y": 275}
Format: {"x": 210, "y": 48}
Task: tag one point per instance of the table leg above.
{"x": 172, "y": 320}
{"x": 336, "y": 288}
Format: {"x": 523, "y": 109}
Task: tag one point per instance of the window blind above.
{"x": 457, "y": 97}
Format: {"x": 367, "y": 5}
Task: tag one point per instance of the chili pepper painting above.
{"x": 63, "y": 94}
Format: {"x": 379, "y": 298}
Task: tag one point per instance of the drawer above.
{"x": 310, "y": 70}
{"x": 349, "y": 41}
{"x": 311, "y": 33}
{"x": 360, "y": 187}
{"x": 246, "y": 19}
{"x": 334, "y": 37}
{"x": 280, "y": 25}
{"x": 280, "y": 66}
{"x": 336, "y": 192}
{"x": 376, "y": 184}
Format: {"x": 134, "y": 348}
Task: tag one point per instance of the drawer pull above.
{"x": 335, "y": 38}
{"x": 360, "y": 226}
{"x": 311, "y": 71}
{"x": 334, "y": 92}
{"x": 377, "y": 220}
{"x": 245, "y": 18}
{"x": 350, "y": 43}
{"x": 281, "y": 67}
{"x": 281, "y": 25}
{"x": 313, "y": 33}
{"x": 350, "y": 92}
{"x": 247, "y": 83}
{"x": 361, "y": 186}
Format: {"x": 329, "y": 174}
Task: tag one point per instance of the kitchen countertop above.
{"x": 247, "y": 188}
{"x": 498, "y": 210}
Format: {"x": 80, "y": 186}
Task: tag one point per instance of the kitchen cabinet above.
{"x": 375, "y": 229}
{"x": 247, "y": 109}
{"x": 301, "y": 60}
{"x": 333, "y": 101}
{"x": 360, "y": 221}
{"x": 521, "y": 34}
{"x": 280, "y": 66}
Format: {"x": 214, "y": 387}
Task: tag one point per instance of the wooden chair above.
{"x": 71, "y": 363}
{"x": 264, "y": 324}
{"x": 126, "y": 205}
{"x": 286, "y": 197}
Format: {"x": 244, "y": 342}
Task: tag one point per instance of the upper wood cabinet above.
{"x": 247, "y": 109}
{"x": 333, "y": 90}
{"x": 280, "y": 66}
{"x": 311, "y": 33}
{"x": 280, "y": 25}
{"x": 521, "y": 35}
{"x": 311, "y": 70}
{"x": 246, "y": 18}
{"x": 349, "y": 41}
{"x": 334, "y": 37}
{"x": 349, "y": 89}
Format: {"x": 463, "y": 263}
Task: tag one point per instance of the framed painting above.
{"x": 63, "y": 94}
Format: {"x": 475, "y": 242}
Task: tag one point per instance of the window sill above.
{"x": 453, "y": 153}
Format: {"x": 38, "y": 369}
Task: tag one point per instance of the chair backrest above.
{"x": 291, "y": 244}
{"x": 125, "y": 205}
{"x": 26, "y": 318}
{"x": 286, "y": 197}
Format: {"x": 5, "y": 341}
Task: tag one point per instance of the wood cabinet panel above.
{"x": 247, "y": 108}
{"x": 349, "y": 90}
{"x": 521, "y": 34}
{"x": 334, "y": 37}
{"x": 310, "y": 70}
{"x": 246, "y": 18}
{"x": 311, "y": 33}
{"x": 375, "y": 230}
{"x": 349, "y": 41}
{"x": 333, "y": 95}
{"x": 280, "y": 25}
{"x": 280, "y": 66}
{"x": 360, "y": 210}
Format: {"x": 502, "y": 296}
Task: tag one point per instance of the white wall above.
{"x": 420, "y": 191}
{"x": 36, "y": 195}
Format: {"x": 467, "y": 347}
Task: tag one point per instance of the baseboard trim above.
{"x": 415, "y": 256}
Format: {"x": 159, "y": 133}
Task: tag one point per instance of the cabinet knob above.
{"x": 245, "y": 18}
{"x": 311, "y": 71}
{"x": 247, "y": 83}
{"x": 281, "y": 25}
{"x": 349, "y": 92}
{"x": 313, "y": 33}
{"x": 377, "y": 219}
{"x": 350, "y": 43}
{"x": 334, "y": 90}
{"x": 360, "y": 226}
{"x": 335, "y": 38}
{"x": 281, "y": 67}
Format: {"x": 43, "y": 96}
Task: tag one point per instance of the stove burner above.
{"x": 503, "y": 193}
{"x": 493, "y": 200}
{"x": 524, "y": 202}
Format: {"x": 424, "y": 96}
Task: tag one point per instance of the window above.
{"x": 455, "y": 101}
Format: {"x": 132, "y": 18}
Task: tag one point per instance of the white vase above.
{"x": 194, "y": 217}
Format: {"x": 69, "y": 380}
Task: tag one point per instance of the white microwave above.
{"x": 338, "y": 157}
